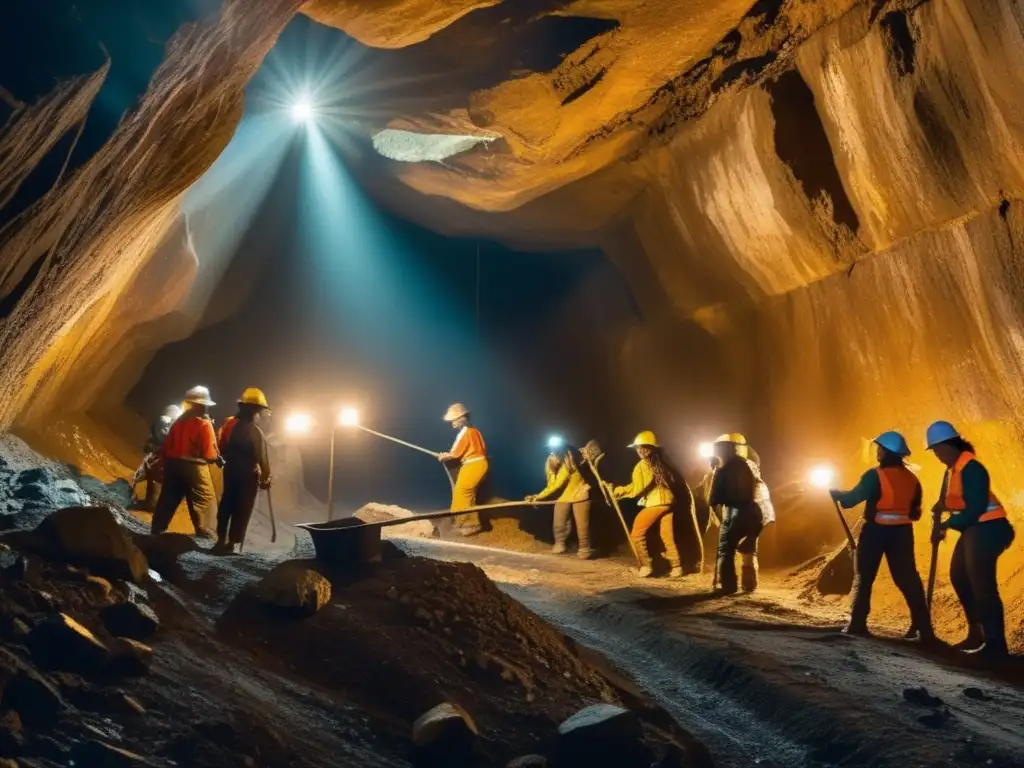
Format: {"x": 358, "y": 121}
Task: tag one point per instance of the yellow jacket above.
{"x": 642, "y": 488}
{"x": 572, "y": 484}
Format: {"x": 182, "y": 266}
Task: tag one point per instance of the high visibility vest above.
{"x": 899, "y": 489}
{"x": 469, "y": 446}
{"x": 224, "y": 433}
{"x": 954, "y": 500}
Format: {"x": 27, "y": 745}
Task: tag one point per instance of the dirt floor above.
{"x": 766, "y": 679}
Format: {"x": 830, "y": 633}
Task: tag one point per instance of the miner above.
{"x": 733, "y": 495}
{"x": 246, "y": 469}
{"x": 573, "y": 502}
{"x": 188, "y": 451}
{"x": 985, "y": 533}
{"x": 891, "y": 495}
{"x": 470, "y": 451}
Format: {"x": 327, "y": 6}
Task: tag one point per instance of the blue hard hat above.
{"x": 940, "y": 432}
{"x": 893, "y": 442}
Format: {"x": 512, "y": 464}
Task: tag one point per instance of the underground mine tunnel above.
{"x": 795, "y": 222}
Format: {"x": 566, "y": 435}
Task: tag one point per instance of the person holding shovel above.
{"x": 246, "y": 469}
{"x": 891, "y": 495}
{"x": 573, "y": 503}
{"x": 985, "y": 533}
{"x": 470, "y": 451}
{"x": 659, "y": 491}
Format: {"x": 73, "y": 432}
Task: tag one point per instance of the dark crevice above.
{"x": 1004, "y": 209}
{"x": 729, "y": 45}
{"x": 802, "y": 144}
{"x": 745, "y": 68}
{"x": 767, "y": 10}
{"x": 900, "y": 40}
{"x": 585, "y": 87}
{"x": 10, "y": 301}
{"x": 876, "y": 8}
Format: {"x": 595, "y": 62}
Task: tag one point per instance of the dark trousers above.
{"x": 191, "y": 482}
{"x": 896, "y": 544}
{"x": 972, "y": 572}
{"x": 740, "y": 529}
{"x": 565, "y": 512}
{"x": 241, "y": 486}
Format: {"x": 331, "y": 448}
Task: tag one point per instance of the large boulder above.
{"x": 382, "y": 513}
{"x": 60, "y": 642}
{"x": 92, "y": 537}
{"x": 602, "y": 734}
{"x": 294, "y": 588}
{"x": 446, "y": 731}
{"x": 130, "y": 619}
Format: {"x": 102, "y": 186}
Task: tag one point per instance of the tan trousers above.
{"x": 191, "y": 483}
{"x": 644, "y": 522}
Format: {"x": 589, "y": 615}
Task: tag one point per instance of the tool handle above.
{"x": 610, "y": 498}
{"x": 415, "y": 447}
{"x": 273, "y": 523}
{"x": 846, "y": 528}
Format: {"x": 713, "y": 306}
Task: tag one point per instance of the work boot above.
{"x": 584, "y": 553}
{"x": 748, "y": 571}
{"x": 676, "y": 572}
{"x": 856, "y": 630}
{"x": 222, "y": 547}
{"x": 974, "y": 641}
{"x": 558, "y": 549}
{"x": 643, "y": 572}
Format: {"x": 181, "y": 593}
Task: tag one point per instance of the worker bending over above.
{"x": 734, "y": 497}
{"x": 246, "y": 469}
{"x": 659, "y": 491}
{"x": 891, "y": 495}
{"x": 985, "y": 533}
{"x": 573, "y": 503}
{"x": 189, "y": 449}
{"x": 470, "y": 451}
{"x": 151, "y": 470}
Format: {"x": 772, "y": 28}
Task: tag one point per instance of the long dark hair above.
{"x": 664, "y": 475}
{"x": 248, "y": 411}
{"x": 961, "y": 445}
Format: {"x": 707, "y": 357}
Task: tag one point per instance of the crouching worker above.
{"x": 573, "y": 502}
{"x": 659, "y": 491}
{"x": 470, "y": 451}
{"x": 985, "y": 533}
{"x": 734, "y": 495}
{"x": 891, "y": 495}
{"x": 246, "y": 469}
{"x": 189, "y": 449}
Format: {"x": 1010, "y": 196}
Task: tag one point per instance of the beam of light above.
{"x": 298, "y": 423}
{"x": 706, "y": 450}
{"x": 349, "y": 417}
{"x": 555, "y": 442}
{"x": 821, "y": 476}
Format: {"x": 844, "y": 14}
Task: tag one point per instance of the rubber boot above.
{"x": 974, "y": 641}
{"x": 727, "y": 574}
{"x": 584, "y": 553}
{"x": 559, "y": 548}
{"x": 748, "y": 571}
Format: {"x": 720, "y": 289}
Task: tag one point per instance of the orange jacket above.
{"x": 191, "y": 438}
{"x": 469, "y": 445}
{"x": 224, "y": 433}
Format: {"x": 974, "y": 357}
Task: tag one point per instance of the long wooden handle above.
{"x": 415, "y": 447}
{"x": 610, "y": 498}
{"x": 846, "y": 527}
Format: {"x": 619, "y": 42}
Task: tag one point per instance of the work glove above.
{"x": 714, "y": 462}
{"x": 443, "y": 457}
{"x": 219, "y": 461}
{"x": 531, "y": 498}
{"x": 265, "y": 484}
{"x": 834, "y": 493}
{"x": 937, "y": 509}
{"x": 915, "y": 514}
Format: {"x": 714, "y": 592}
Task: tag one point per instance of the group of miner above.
{"x": 184, "y": 445}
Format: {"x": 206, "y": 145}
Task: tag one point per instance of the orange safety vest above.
{"x": 899, "y": 488}
{"x": 469, "y": 446}
{"x": 191, "y": 438}
{"x": 954, "y": 500}
{"x": 224, "y": 433}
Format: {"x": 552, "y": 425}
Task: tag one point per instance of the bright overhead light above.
{"x": 298, "y": 423}
{"x": 821, "y": 476}
{"x": 706, "y": 450}
{"x": 349, "y": 417}
{"x": 303, "y": 110}
{"x": 555, "y": 442}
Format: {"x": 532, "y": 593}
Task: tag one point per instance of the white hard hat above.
{"x": 456, "y": 411}
{"x": 940, "y": 432}
{"x": 199, "y": 396}
{"x": 893, "y": 442}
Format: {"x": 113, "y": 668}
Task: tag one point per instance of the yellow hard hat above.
{"x": 253, "y": 396}
{"x": 732, "y": 437}
{"x": 644, "y": 438}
